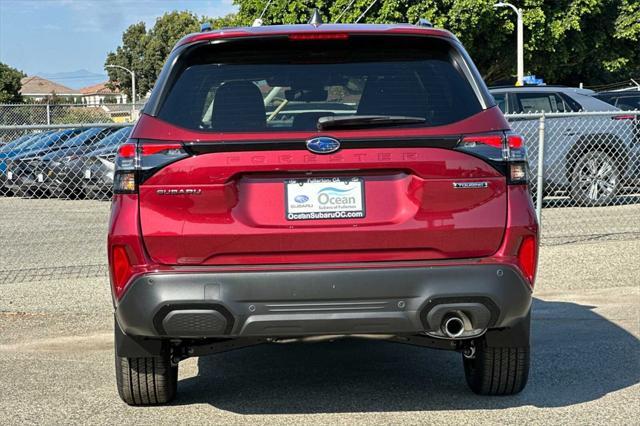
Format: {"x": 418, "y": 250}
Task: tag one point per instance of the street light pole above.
{"x": 520, "y": 42}
{"x": 133, "y": 88}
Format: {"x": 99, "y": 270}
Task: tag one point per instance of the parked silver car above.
{"x": 591, "y": 158}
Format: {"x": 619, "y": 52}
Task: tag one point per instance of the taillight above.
{"x": 121, "y": 270}
{"x": 492, "y": 140}
{"x": 158, "y": 148}
{"x": 138, "y": 160}
{"x": 515, "y": 141}
{"x": 500, "y": 148}
{"x": 528, "y": 257}
{"x": 127, "y": 150}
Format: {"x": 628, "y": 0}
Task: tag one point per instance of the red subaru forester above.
{"x": 321, "y": 180}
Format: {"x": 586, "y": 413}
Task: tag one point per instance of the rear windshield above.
{"x": 282, "y": 85}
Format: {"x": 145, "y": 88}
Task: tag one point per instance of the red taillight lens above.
{"x": 496, "y": 140}
{"x": 137, "y": 160}
{"x": 156, "y": 155}
{"x": 515, "y": 141}
{"x": 127, "y": 150}
{"x": 500, "y": 148}
{"x": 528, "y": 257}
{"x": 156, "y": 148}
{"x": 319, "y": 36}
{"x": 121, "y": 270}
{"x": 493, "y": 140}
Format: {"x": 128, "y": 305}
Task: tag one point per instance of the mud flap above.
{"x": 132, "y": 347}
{"x": 516, "y": 336}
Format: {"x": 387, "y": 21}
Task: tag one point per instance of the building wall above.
{"x": 99, "y": 99}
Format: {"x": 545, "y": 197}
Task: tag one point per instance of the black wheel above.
{"x": 595, "y": 179}
{"x": 497, "y": 370}
{"x": 146, "y": 381}
{"x": 72, "y": 191}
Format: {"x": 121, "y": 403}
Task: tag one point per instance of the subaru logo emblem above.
{"x": 301, "y": 199}
{"x": 323, "y": 145}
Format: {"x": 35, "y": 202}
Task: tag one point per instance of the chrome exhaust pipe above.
{"x": 453, "y": 326}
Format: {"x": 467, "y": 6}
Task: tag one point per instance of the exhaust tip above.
{"x": 453, "y": 326}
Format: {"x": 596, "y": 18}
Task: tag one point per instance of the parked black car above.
{"x": 17, "y": 164}
{"x": 12, "y": 149}
{"x": 91, "y": 173}
{"x": 39, "y": 170}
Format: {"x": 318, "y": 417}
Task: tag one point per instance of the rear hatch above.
{"x": 286, "y": 150}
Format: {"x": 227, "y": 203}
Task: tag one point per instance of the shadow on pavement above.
{"x": 578, "y": 356}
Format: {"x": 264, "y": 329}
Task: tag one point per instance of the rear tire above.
{"x": 497, "y": 370}
{"x": 146, "y": 381}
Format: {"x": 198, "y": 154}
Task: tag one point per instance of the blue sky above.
{"x": 55, "y": 36}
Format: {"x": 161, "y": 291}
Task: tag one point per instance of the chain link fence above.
{"x": 52, "y": 114}
{"x": 55, "y": 183}
{"x": 66, "y": 162}
{"x": 587, "y": 165}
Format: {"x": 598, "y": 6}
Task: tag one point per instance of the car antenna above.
{"x": 258, "y": 21}
{"x": 316, "y": 18}
{"x": 365, "y": 12}
{"x": 344, "y": 11}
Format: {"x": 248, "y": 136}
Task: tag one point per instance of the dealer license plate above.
{"x": 324, "y": 198}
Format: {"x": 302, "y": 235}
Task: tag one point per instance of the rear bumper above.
{"x": 404, "y": 300}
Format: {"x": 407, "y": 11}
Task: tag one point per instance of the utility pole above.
{"x": 133, "y": 88}
{"x": 520, "y": 42}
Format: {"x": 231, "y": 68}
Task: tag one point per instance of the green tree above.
{"x": 566, "y": 41}
{"x": 145, "y": 51}
{"x": 69, "y": 115}
{"x": 10, "y": 84}
{"x": 131, "y": 55}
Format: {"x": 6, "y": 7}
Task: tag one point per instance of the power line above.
{"x": 344, "y": 10}
{"x": 365, "y": 12}
{"x": 265, "y": 9}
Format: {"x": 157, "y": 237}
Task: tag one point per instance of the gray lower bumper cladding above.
{"x": 321, "y": 302}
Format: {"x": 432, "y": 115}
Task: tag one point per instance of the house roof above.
{"x": 35, "y": 85}
{"x": 98, "y": 89}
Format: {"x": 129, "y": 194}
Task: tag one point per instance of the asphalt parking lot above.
{"x": 57, "y": 360}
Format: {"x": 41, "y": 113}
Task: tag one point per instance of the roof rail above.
{"x": 423, "y": 22}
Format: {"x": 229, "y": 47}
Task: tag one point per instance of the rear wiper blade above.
{"x": 363, "y": 121}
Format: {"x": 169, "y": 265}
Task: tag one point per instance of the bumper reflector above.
{"x": 528, "y": 257}
{"x": 121, "y": 270}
